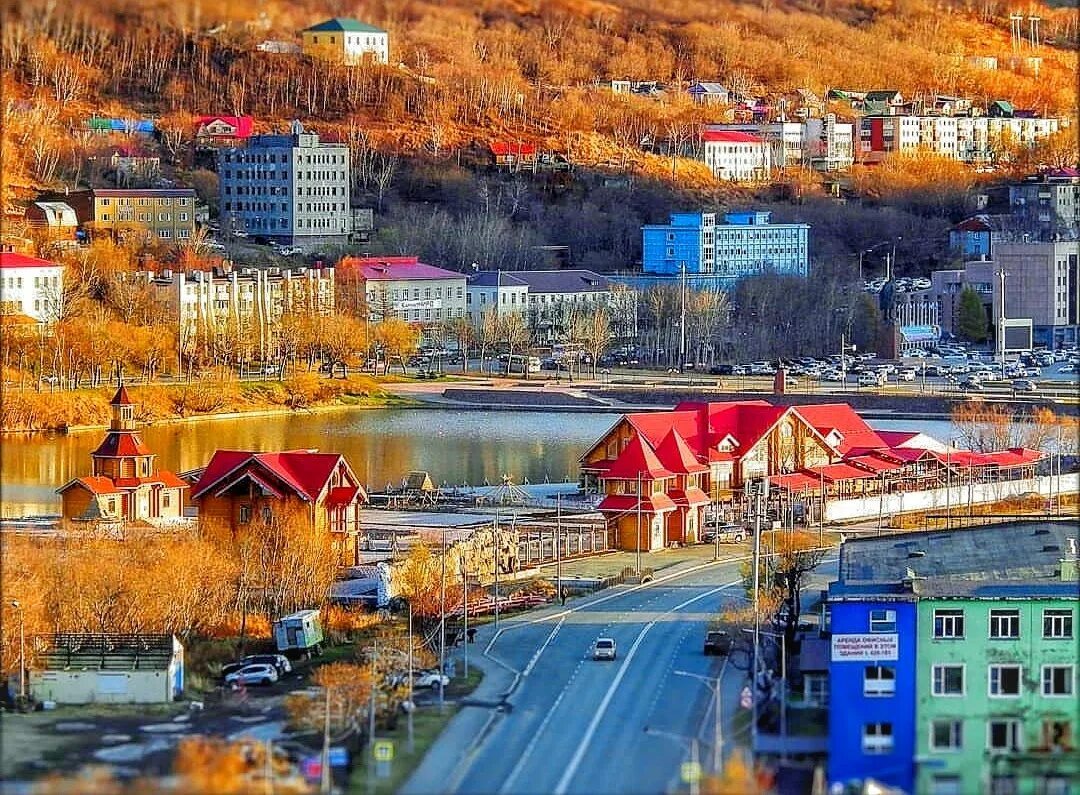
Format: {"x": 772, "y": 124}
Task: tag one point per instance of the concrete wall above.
{"x": 103, "y": 687}
{"x": 941, "y": 499}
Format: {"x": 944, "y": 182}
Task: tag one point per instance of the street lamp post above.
{"x": 693, "y": 743}
{"x": 22, "y": 649}
{"x": 442, "y": 624}
{"x": 783, "y": 686}
{"x": 718, "y": 729}
{"x": 409, "y": 714}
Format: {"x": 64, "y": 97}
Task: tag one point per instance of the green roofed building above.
{"x": 346, "y": 40}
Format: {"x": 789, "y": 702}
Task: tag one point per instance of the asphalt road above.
{"x": 578, "y": 725}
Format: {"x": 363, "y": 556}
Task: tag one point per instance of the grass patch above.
{"x": 428, "y": 724}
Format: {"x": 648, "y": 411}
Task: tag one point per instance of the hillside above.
{"x": 493, "y": 68}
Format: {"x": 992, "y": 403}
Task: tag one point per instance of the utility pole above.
{"x": 682, "y": 318}
{"x": 495, "y": 560}
{"x": 22, "y": 649}
{"x": 558, "y": 546}
{"x": 412, "y": 706}
{"x": 1001, "y": 274}
{"x": 442, "y": 624}
{"x": 371, "y": 718}
{"x": 757, "y": 622}
{"x": 638, "y": 556}
{"x": 325, "y": 783}
{"x": 465, "y": 608}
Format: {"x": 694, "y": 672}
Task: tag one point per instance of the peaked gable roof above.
{"x": 674, "y": 454}
{"x": 305, "y": 472}
{"x": 854, "y": 431}
{"x": 243, "y": 126}
{"x": 343, "y": 24}
{"x": 637, "y": 459}
{"x": 121, "y": 398}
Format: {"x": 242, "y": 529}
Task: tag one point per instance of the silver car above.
{"x": 604, "y": 649}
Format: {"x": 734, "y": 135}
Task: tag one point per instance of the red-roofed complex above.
{"x": 401, "y": 287}
{"x": 737, "y": 156}
{"x": 703, "y": 453}
{"x": 124, "y": 484}
{"x": 228, "y": 130}
{"x": 238, "y": 487}
{"x": 512, "y": 154}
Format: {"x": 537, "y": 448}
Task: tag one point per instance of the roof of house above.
{"x": 121, "y": 125}
{"x": 879, "y": 95}
{"x": 11, "y": 259}
{"x": 121, "y": 444}
{"x": 243, "y": 126}
{"x": 58, "y": 213}
{"x": 689, "y": 497}
{"x": 624, "y": 503}
{"x": 841, "y": 417}
{"x": 563, "y": 281}
{"x": 346, "y": 24}
{"x": 146, "y": 193}
{"x": 729, "y": 137}
{"x": 795, "y": 481}
{"x": 976, "y": 224}
{"x": 387, "y": 269}
{"x": 637, "y": 458}
{"x": 95, "y": 484}
{"x": 304, "y": 472}
{"x": 677, "y": 457}
{"x": 504, "y": 148}
{"x": 495, "y": 278}
{"x": 707, "y": 88}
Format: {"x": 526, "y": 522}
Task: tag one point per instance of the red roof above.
{"x": 729, "y": 137}
{"x": 395, "y": 269}
{"x": 825, "y": 417}
{"x": 795, "y": 481}
{"x": 342, "y": 495}
{"x": 10, "y": 259}
{"x": 677, "y": 457}
{"x": 121, "y": 443}
{"x": 305, "y": 472}
{"x": 837, "y": 472}
{"x": 690, "y": 497}
{"x": 637, "y": 459}
{"x": 244, "y": 125}
{"x": 1014, "y": 456}
{"x": 874, "y": 463}
{"x": 95, "y": 484}
{"x": 622, "y": 503}
{"x": 504, "y": 148}
{"x": 975, "y": 224}
{"x": 121, "y": 398}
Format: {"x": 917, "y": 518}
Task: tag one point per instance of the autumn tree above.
{"x": 397, "y": 340}
{"x": 986, "y": 427}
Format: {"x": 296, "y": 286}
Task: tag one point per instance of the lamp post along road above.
{"x": 409, "y": 715}
{"x": 694, "y": 755}
{"x": 442, "y": 625}
{"x": 718, "y": 728}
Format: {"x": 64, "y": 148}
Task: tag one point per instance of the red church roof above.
{"x": 121, "y": 398}
{"x": 121, "y": 444}
{"x": 637, "y": 459}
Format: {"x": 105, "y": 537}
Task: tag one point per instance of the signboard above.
{"x": 691, "y": 772}
{"x": 870, "y": 647}
{"x": 422, "y": 303}
{"x": 920, "y": 333}
{"x": 339, "y": 756}
{"x": 1018, "y": 334}
{"x": 383, "y": 750}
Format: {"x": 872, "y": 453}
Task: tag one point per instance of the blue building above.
{"x": 971, "y": 239}
{"x": 872, "y": 684}
{"x": 290, "y": 188}
{"x": 746, "y": 244}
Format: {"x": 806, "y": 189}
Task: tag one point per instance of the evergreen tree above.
{"x": 971, "y": 320}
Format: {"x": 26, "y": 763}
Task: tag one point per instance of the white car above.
{"x": 907, "y": 374}
{"x": 604, "y": 649}
{"x": 257, "y": 674}
{"x": 429, "y": 679}
{"x": 869, "y": 379}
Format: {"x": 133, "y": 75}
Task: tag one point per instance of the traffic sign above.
{"x": 746, "y": 698}
{"x": 691, "y": 772}
{"x": 383, "y": 750}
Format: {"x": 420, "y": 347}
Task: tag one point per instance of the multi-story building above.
{"x": 1047, "y": 205}
{"x": 290, "y": 188}
{"x": 30, "y": 286}
{"x": 822, "y": 143}
{"x": 737, "y": 156}
{"x": 346, "y": 40}
{"x": 953, "y": 667}
{"x": 497, "y": 292}
{"x": 1042, "y": 282}
{"x": 252, "y": 298}
{"x": 747, "y": 244}
{"x": 165, "y": 215}
{"x": 970, "y": 139}
{"x": 401, "y": 287}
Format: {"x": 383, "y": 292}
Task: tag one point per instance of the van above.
{"x": 517, "y": 364}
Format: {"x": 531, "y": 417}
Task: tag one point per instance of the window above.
{"x": 948, "y": 680}
{"x": 1005, "y": 680}
{"x": 1057, "y": 680}
{"x": 816, "y": 689}
{"x": 877, "y": 738}
{"x": 1003, "y": 735}
{"x": 948, "y": 623}
{"x": 1004, "y": 624}
{"x": 879, "y": 680}
{"x": 1003, "y": 785}
{"x": 880, "y": 620}
{"x": 1057, "y": 735}
{"x": 1052, "y": 784}
{"x": 945, "y": 785}
{"x": 165, "y": 501}
{"x": 1057, "y": 624}
{"x": 245, "y": 514}
{"x": 946, "y": 735}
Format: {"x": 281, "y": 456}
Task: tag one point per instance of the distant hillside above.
{"x": 512, "y": 68}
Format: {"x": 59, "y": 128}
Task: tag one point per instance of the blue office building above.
{"x": 746, "y": 244}
{"x": 872, "y": 684}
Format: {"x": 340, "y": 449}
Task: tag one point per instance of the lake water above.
{"x": 381, "y": 444}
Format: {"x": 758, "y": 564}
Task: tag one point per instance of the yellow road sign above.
{"x": 691, "y": 772}
{"x": 383, "y": 750}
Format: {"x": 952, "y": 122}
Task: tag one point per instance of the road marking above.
{"x": 583, "y": 746}
{"x": 535, "y": 738}
{"x": 536, "y": 657}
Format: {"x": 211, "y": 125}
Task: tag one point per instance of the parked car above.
{"x": 717, "y": 643}
{"x": 869, "y": 379}
{"x": 722, "y": 369}
{"x": 907, "y": 374}
{"x": 604, "y": 649}
{"x": 279, "y": 661}
{"x": 259, "y": 674}
{"x": 1024, "y": 385}
{"x": 970, "y": 385}
{"x": 727, "y": 534}
{"x": 425, "y": 679}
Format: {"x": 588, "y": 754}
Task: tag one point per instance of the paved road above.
{"x": 577, "y": 725}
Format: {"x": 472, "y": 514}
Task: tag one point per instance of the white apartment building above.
{"x": 30, "y": 286}
{"x": 500, "y": 292}
{"x": 737, "y": 156}
{"x": 970, "y": 139}
{"x": 822, "y": 143}
{"x": 346, "y": 40}
{"x": 403, "y": 287}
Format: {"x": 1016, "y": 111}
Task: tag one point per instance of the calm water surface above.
{"x": 381, "y": 444}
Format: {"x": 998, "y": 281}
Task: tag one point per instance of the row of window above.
{"x": 329, "y": 159}
{"x": 1004, "y": 623}
{"x": 165, "y": 218}
{"x": 1002, "y": 735}
{"x": 1000, "y": 784}
{"x": 1004, "y": 680}
{"x": 124, "y": 201}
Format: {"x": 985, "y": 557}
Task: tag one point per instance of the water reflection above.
{"x": 382, "y": 445}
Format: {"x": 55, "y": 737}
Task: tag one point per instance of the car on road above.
{"x": 257, "y": 674}
{"x": 1024, "y": 385}
{"x": 726, "y": 534}
{"x": 869, "y": 379}
{"x": 907, "y": 374}
{"x": 717, "y": 643}
{"x": 425, "y": 679}
{"x": 970, "y": 385}
{"x": 604, "y": 649}
{"x": 279, "y": 661}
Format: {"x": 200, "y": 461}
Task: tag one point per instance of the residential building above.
{"x": 821, "y": 143}
{"x": 971, "y": 238}
{"x": 497, "y": 292}
{"x": 1047, "y": 205}
{"x": 30, "y": 286}
{"x": 401, "y": 287}
{"x": 971, "y": 139}
{"x": 82, "y": 668}
{"x": 130, "y": 164}
{"x": 165, "y": 215}
{"x": 513, "y": 155}
{"x": 705, "y": 93}
{"x": 56, "y": 219}
{"x": 212, "y": 131}
{"x": 240, "y": 298}
{"x": 809, "y": 453}
{"x": 737, "y": 156}
{"x": 346, "y": 40}
{"x": 747, "y": 244}
{"x": 320, "y": 489}
{"x": 290, "y": 188}
{"x": 124, "y": 484}
{"x": 967, "y": 657}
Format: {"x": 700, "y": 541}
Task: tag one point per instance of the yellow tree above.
{"x": 397, "y": 339}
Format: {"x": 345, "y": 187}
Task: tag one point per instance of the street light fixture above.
{"x": 693, "y": 743}
{"x": 718, "y": 729}
{"x": 783, "y": 686}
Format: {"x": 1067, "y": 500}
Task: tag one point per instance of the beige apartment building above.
{"x": 166, "y": 215}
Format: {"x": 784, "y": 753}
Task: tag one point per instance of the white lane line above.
{"x": 575, "y": 762}
{"x": 508, "y": 784}
{"x": 536, "y": 657}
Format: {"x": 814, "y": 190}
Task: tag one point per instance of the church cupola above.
{"x": 123, "y": 411}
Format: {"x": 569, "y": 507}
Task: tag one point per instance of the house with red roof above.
{"x": 513, "y": 154}
{"x": 239, "y": 487}
{"x": 124, "y": 484}
{"x": 213, "y": 131}
{"x": 737, "y": 156}
{"x": 401, "y": 287}
{"x": 30, "y": 287}
{"x": 682, "y": 461}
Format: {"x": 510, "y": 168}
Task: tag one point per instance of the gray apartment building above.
{"x": 290, "y": 188}
{"x": 1047, "y": 206}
